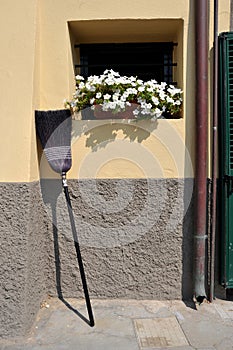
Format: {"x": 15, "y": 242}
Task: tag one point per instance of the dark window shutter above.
{"x": 226, "y": 155}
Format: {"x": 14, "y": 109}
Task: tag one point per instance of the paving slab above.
{"x": 159, "y": 333}
{"x": 129, "y": 325}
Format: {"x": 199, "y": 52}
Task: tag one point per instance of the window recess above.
{"x": 145, "y": 60}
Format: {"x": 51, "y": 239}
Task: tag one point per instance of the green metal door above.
{"x": 226, "y": 155}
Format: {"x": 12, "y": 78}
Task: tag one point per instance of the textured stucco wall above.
{"x": 22, "y": 256}
{"x": 135, "y": 237}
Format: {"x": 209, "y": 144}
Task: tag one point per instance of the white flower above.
{"x": 121, "y": 104}
{"x": 98, "y": 95}
{"x": 126, "y": 94}
{"x": 111, "y": 72}
{"x": 155, "y": 100}
{"x": 110, "y": 81}
{"x": 79, "y": 77}
{"x": 123, "y": 80}
{"x": 141, "y": 88}
{"x": 112, "y": 105}
{"x": 115, "y": 97}
{"x": 105, "y": 106}
{"x": 173, "y": 91}
{"x": 170, "y": 100}
{"x": 148, "y": 105}
{"x": 141, "y": 100}
{"x": 151, "y": 85}
{"x": 107, "y": 97}
{"x": 162, "y": 95}
{"x": 132, "y": 78}
{"x": 94, "y": 80}
{"x": 92, "y": 101}
{"x": 158, "y": 112}
{"x": 132, "y": 91}
{"x": 81, "y": 85}
{"x": 88, "y": 86}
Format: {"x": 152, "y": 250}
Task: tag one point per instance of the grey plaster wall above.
{"x": 136, "y": 238}
{"x": 22, "y": 256}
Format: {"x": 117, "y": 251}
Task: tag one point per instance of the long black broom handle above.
{"x": 78, "y": 252}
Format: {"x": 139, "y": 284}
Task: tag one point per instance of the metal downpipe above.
{"x": 201, "y": 30}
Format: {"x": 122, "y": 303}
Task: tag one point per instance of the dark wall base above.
{"x": 136, "y": 238}
{"x": 22, "y": 256}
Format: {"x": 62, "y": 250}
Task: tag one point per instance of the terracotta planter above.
{"x": 127, "y": 114}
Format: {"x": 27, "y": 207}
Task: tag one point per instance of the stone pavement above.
{"x": 130, "y": 325}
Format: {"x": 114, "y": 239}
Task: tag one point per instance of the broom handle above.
{"x": 78, "y": 252}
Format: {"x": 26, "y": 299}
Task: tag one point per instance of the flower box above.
{"x": 127, "y": 114}
{"x": 110, "y": 96}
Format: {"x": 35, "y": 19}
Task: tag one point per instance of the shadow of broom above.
{"x": 54, "y": 131}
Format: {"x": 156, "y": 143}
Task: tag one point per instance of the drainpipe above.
{"x": 214, "y": 151}
{"x": 201, "y": 29}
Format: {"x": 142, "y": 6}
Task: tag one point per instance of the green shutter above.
{"x": 226, "y": 155}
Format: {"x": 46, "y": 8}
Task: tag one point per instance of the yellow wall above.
{"x": 37, "y": 73}
{"x": 103, "y": 21}
{"x": 118, "y": 149}
{"x": 17, "y": 37}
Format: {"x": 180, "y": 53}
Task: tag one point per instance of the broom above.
{"x": 54, "y": 131}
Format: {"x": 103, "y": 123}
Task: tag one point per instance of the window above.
{"x": 152, "y": 60}
{"x": 146, "y": 48}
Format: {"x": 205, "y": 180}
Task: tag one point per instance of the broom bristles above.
{"x": 54, "y": 131}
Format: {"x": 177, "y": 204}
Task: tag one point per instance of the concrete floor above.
{"x": 129, "y": 325}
